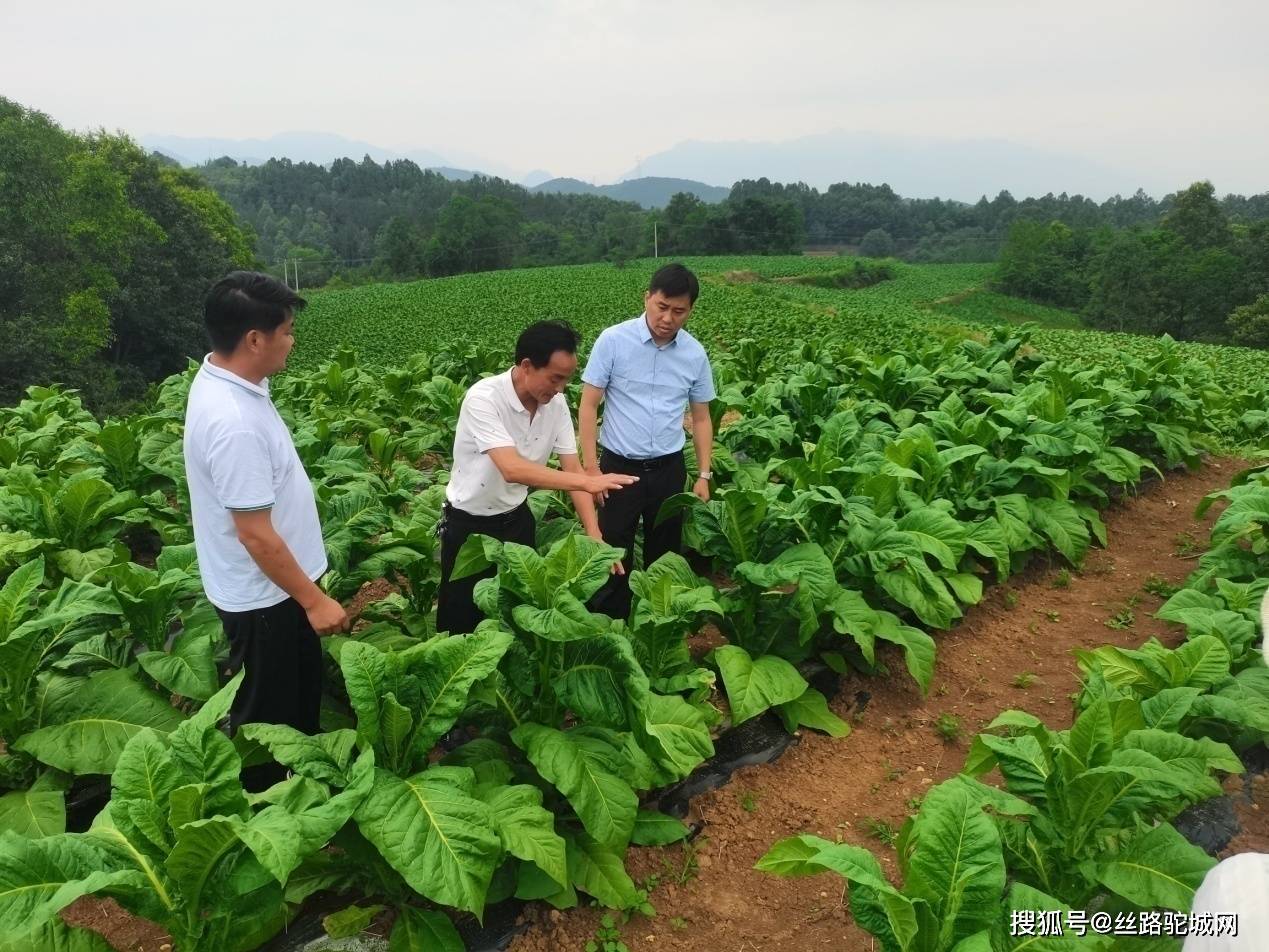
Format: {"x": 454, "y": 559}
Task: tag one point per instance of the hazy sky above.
{"x": 587, "y": 88}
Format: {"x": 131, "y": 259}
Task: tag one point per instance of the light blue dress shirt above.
{"x": 647, "y": 387}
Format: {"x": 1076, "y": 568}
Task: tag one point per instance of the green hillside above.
{"x": 741, "y": 297}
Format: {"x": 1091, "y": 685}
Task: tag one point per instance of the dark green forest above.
{"x": 1201, "y": 273}
{"x": 105, "y": 255}
{"x": 361, "y": 221}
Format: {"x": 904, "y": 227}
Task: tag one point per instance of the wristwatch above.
{"x": 705, "y": 474}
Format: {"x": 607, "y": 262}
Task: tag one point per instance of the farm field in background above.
{"x": 744, "y": 296}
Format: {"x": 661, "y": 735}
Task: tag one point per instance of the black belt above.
{"x": 493, "y": 519}
{"x": 647, "y": 465}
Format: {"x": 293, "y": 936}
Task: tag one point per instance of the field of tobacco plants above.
{"x": 877, "y": 469}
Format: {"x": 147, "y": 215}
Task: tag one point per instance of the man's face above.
{"x": 272, "y": 348}
{"x": 666, "y": 315}
{"x": 543, "y": 383}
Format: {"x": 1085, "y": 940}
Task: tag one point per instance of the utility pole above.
{"x": 297, "y": 275}
{"x": 656, "y": 253}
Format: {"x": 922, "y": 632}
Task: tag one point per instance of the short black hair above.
{"x": 675, "y": 280}
{"x": 539, "y": 341}
{"x": 245, "y": 301}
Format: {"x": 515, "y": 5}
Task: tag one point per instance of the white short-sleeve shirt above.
{"x": 239, "y": 455}
{"x": 493, "y": 416}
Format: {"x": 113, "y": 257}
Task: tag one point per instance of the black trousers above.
{"x": 619, "y": 517}
{"x": 283, "y": 680}
{"x": 456, "y": 612}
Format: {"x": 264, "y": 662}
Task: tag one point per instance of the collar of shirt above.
{"x": 509, "y": 392}
{"x": 645, "y": 333}
{"x": 261, "y": 389}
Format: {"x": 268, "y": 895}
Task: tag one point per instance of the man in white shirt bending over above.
{"x": 508, "y": 427}
{"x": 256, "y": 531}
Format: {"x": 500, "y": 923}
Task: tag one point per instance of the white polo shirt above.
{"x": 239, "y": 456}
{"x": 493, "y": 416}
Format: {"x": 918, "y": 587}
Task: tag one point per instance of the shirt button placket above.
{"x": 652, "y": 415}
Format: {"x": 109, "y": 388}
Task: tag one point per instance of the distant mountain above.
{"x": 320, "y": 147}
{"x": 566, "y": 186}
{"x": 454, "y": 175}
{"x": 536, "y": 177}
{"x": 649, "y": 191}
{"x": 948, "y": 168}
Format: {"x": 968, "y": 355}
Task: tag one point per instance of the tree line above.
{"x": 105, "y": 254}
{"x": 364, "y": 220}
{"x": 1201, "y": 273}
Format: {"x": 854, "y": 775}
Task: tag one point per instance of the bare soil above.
{"x": 1012, "y": 651}
{"x": 121, "y": 928}
{"x": 369, "y": 593}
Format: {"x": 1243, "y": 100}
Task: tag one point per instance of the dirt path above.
{"x": 859, "y": 787}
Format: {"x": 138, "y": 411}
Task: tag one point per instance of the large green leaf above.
{"x": 598, "y": 871}
{"x": 752, "y": 685}
{"x": 918, "y": 647}
{"x": 435, "y": 833}
{"x": 938, "y": 534}
{"x": 111, "y": 708}
{"x": 914, "y": 585}
{"x": 988, "y": 540}
{"x": 39, "y": 878}
{"x": 580, "y": 565}
{"x": 1201, "y": 662}
{"x": 804, "y": 565}
{"x": 208, "y": 760}
{"x": 957, "y": 865}
{"x": 564, "y": 618}
{"x": 811, "y": 710}
{"x": 396, "y": 724}
{"x": 321, "y": 757}
{"x": 657, "y": 829}
{"x": 56, "y": 936}
{"x": 1022, "y": 761}
{"x": 189, "y": 669}
{"x": 527, "y": 830}
{"x": 601, "y": 682}
{"x": 1169, "y": 747}
{"x": 604, "y": 802}
{"x": 366, "y": 676}
{"x": 15, "y": 596}
{"x": 321, "y": 820}
{"x": 275, "y": 838}
{"x": 447, "y": 668}
{"x": 71, "y": 605}
{"x": 1168, "y": 708}
{"x": 39, "y": 811}
{"x": 424, "y": 930}
{"x": 1060, "y": 522}
{"x": 80, "y": 504}
{"x": 875, "y": 904}
{"x": 200, "y": 849}
{"x": 679, "y": 734}
{"x": 1157, "y": 869}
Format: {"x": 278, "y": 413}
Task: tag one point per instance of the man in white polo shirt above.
{"x": 256, "y": 531}
{"x": 508, "y": 427}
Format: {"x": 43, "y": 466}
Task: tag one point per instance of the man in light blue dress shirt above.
{"x": 647, "y": 371}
